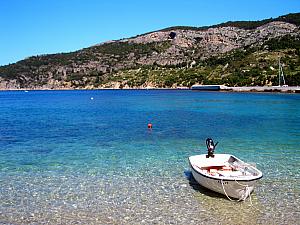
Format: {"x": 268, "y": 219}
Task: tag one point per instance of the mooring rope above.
{"x": 225, "y": 191}
{"x": 243, "y": 197}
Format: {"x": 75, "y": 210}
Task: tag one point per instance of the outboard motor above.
{"x": 210, "y": 147}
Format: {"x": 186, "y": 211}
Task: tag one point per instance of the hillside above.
{"x": 232, "y": 53}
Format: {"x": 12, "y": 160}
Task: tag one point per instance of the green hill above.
{"x": 232, "y": 53}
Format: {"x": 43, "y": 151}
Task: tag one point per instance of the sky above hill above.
{"x": 34, "y": 27}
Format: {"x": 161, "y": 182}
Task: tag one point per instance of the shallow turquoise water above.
{"x": 67, "y": 158}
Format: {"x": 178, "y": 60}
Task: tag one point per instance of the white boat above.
{"x": 225, "y": 174}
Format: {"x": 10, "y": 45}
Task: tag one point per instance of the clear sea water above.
{"x": 87, "y": 157}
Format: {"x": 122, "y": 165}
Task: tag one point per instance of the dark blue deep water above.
{"x": 88, "y": 157}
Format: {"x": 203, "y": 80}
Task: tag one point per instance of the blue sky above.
{"x": 33, "y": 27}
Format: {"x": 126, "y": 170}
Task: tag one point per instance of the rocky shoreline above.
{"x": 281, "y": 89}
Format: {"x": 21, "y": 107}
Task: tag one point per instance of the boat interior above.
{"x": 231, "y": 168}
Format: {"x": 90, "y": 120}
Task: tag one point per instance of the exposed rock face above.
{"x": 90, "y": 67}
{"x": 219, "y": 40}
{"x": 9, "y": 84}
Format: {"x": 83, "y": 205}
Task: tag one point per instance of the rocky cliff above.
{"x": 227, "y": 54}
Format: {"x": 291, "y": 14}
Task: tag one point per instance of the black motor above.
{"x": 210, "y": 147}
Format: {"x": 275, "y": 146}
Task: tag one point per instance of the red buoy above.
{"x": 149, "y": 125}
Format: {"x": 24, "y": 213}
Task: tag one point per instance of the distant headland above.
{"x": 242, "y": 53}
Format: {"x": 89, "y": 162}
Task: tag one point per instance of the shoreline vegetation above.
{"x": 222, "y": 88}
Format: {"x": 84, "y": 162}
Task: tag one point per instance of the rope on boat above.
{"x": 247, "y": 189}
{"x": 250, "y": 197}
{"x": 243, "y": 197}
{"x": 225, "y": 191}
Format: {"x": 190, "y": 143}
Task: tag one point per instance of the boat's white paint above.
{"x": 237, "y": 184}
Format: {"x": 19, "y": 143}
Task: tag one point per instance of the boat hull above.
{"x": 234, "y": 189}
